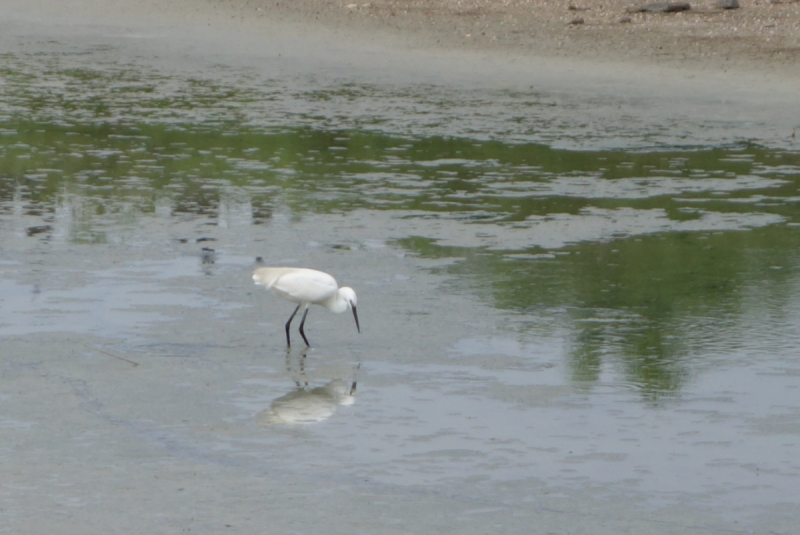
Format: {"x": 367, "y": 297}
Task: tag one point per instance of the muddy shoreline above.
{"x": 759, "y": 36}
{"x": 651, "y": 67}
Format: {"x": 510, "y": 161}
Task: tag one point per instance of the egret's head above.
{"x": 349, "y": 295}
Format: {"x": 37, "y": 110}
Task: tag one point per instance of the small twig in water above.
{"x": 110, "y": 354}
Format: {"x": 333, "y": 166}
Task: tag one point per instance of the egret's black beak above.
{"x": 355, "y": 315}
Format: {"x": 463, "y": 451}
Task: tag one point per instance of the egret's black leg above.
{"x": 288, "y": 323}
{"x": 301, "y": 328}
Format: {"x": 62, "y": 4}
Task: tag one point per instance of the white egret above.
{"x": 306, "y": 287}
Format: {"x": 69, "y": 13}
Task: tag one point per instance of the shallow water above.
{"x": 551, "y": 336}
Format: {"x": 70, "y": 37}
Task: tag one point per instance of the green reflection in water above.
{"x": 648, "y": 305}
{"x": 345, "y": 170}
{"x": 641, "y": 299}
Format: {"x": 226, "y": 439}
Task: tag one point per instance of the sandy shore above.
{"x": 761, "y": 36}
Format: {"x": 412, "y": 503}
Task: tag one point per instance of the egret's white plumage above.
{"x": 306, "y": 287}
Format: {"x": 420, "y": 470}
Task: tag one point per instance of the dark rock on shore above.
{"x": 661, "y": 7}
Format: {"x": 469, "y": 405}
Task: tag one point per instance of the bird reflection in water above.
{"x": 305, "y": 405}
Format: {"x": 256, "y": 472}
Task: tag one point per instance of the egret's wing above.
{"x": 266, "y": 276}
{"x": 305, "y": 286}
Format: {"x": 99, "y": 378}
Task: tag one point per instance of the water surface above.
{"x": 546, "y": 329}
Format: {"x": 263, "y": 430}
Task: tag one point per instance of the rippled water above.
{"x": 623, "y": 319}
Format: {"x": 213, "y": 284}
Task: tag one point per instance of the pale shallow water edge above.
{"x": 599, "y": 105}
